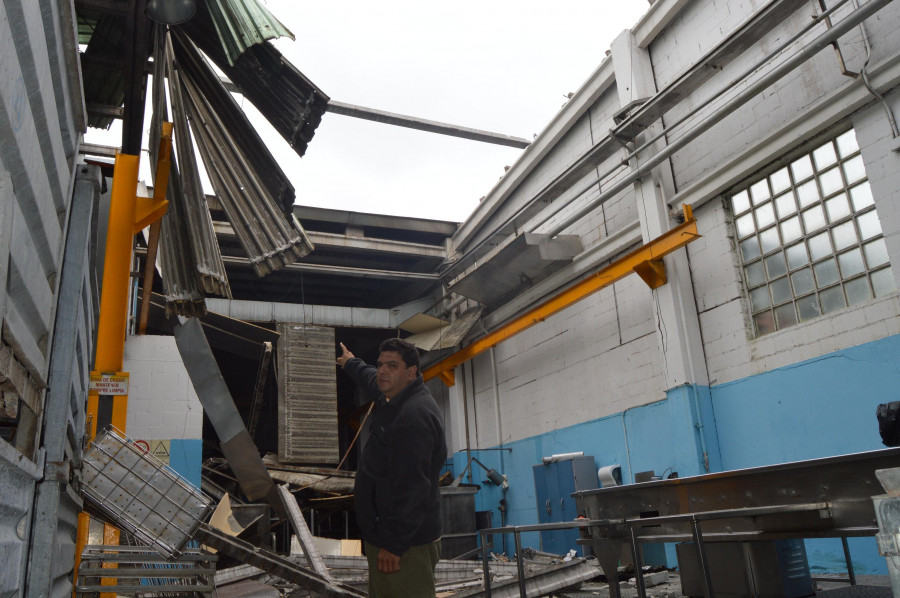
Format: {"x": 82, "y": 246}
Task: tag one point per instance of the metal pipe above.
{"x": 466, "y": 420}
{"x": 484, "y": 563}
{"x": 453, "y": 305}
{"x": 754, "y": 89}
{"x": 627, "y": 450}
{"x": 497, "y": 403}
{"x": 520, "y": 566}
{"x": 499, "y": 427}
{"x": 851, "y": 574}
{"x": 865, "y": 79}
{"x": 638, "y": 564}
{"x": 699, "y": 425}
{"x": 609, "y": 172}
{"x": 704, "y": 563}
{"x": 749, "y": 71}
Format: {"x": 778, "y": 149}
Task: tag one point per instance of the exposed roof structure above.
{"x": 360, "y": 260}
{"x": 254, "y": 193}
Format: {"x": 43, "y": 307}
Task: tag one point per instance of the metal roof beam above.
{"x": 410, "y": 122}
{"x": 421, "y": 124}
{"x": 332, "y": 240}
{"x": 340, "y": 270}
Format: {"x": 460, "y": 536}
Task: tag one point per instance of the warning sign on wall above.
{"x": 160, "y": 450}
{"x": 105, "y": 383}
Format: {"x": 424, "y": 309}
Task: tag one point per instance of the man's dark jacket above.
{"x": 398, "y": 503}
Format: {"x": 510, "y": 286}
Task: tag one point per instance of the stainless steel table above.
{"x": 830, "y": 497}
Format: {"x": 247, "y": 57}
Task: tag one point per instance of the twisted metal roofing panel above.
{"x": 242, "y": 24}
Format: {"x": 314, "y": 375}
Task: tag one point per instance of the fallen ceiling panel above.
{"x": 520, "y": 263}
{"x": 447, "y": 335}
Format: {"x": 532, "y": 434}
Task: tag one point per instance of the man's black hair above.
{"x": 408, "y": 352}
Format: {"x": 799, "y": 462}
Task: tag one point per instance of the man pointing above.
{"x": 398, "y": 502}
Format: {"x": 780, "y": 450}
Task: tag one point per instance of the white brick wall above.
{"x": 162, "y": 403}
{"x": 574, "y": 366}
{"x": 602, "y": 355}
{"x": 883, "y": 169}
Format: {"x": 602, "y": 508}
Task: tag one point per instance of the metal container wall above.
{"x": 458, "y": 534}
{"x": 57, "y": 502}
{"x": 41, "y": 122}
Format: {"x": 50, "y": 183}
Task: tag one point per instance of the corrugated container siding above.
{"x": 41, "y": 117}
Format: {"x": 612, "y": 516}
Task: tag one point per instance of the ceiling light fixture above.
{"x": 171, "y": 12}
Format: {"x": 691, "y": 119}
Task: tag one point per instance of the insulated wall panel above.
{"x": 307, "y": 394}
{"x": 17, "y": 477}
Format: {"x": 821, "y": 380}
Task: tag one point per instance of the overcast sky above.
{"x": 499, "y": 65}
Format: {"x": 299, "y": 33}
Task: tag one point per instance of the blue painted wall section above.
{"x": 817, "y": 408}
{"x": 185, "y": 457}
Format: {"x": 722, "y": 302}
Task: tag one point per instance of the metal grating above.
{"x": 141, "y": 494}
{"x": 307, "y": 394}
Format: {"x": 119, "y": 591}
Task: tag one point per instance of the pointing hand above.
{"x": 345, "y": 356}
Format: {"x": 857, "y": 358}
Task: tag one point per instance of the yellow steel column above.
{"x": 128, "y": 214}
{"x": 113, "y": 320}
{"x": 112, "y": 323}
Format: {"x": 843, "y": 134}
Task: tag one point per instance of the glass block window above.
{"x": 809, "y": 238}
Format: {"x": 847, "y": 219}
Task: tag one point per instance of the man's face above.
{"x": 393, "y": 374}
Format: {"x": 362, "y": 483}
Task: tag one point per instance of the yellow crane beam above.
{"x": 646, "y": 261}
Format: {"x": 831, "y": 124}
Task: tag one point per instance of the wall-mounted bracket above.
{"x": 653, "y": 272}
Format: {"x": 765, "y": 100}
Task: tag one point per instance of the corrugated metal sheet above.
{"x": 289, "y": 101}
{"x": 252, "y": 147}
{"x": 307, "y": 394}
{"x": 243, "y": 23}
{"x": 189, "y": 257}
{"x": 270, "y": 240}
